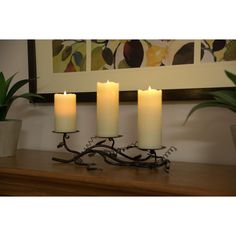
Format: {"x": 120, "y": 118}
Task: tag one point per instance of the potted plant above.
{"x": 10, "y": 129}
{"x": 222, "y": 98}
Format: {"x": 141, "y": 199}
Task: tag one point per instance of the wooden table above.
{"x": 33, "y": 173}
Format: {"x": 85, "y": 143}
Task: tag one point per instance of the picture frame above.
{"x": 175, "y": 93}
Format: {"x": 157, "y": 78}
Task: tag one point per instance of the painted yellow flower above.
{"x": 155, "y": 54}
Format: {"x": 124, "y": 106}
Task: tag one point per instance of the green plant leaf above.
{"x": 16, "y": 87}
{"x": 2, "y": 89}
{"x": 3, "y": 112}
{"x": 26, "y": 96}
{"x": 227, "y": 97}
{"x": 211, "y": 103}
{"x": 231, "y": 76}
{"x": 29, "y": 96}
{"x": 8, "y": 81}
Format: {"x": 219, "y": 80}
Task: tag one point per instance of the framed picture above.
{"x": 183, "y": 69}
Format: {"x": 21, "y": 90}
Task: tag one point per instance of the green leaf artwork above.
{"x": 57, "y": 47}
{"x": 123, "y": 54}
{"x": 185, "y": 55}
{"x": 97, "y": 59}
{"x": 69, "y": 55}
{"x": 107, "y": 55}
{"x": 218, "y": 50}
{"x": 66, "y": 53}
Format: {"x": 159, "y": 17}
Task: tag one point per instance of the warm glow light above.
{"x": 64, "y": 92}
{"x": 108, "y": 81}
{"x": 149, "y": 88}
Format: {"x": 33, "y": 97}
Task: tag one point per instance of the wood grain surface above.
{"x": 33, "y": 173}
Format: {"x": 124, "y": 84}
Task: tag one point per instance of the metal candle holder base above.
{"x": 115, "y": 156}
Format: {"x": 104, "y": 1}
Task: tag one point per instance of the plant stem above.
{"x": 3, "y": 112}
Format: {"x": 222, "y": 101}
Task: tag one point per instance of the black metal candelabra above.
{"x": 115, "y": 156}
{"x": 76, "y": 158}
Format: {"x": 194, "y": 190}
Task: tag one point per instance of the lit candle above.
{"x": 65, "y": 112}
{"x": 149, "y": 118}
{"x": 107, "y": 109}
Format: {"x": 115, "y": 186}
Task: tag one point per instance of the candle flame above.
{"x": 64, "y": 92}
{"x": 149, "y": 88}
{"x": 108, "y": 81}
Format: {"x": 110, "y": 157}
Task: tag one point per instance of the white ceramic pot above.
{"x": 233, "y": 131}
{"x": 9, "y": 135}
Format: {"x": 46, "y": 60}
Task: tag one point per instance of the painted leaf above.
{"x": 218, "y": 45}
{"x": 133, "y": 53}
{"x": 97, "y": 59}
{"x": 78, "y": 58}
{"x": 230, "y": 54}
{"x": 70, "y": 67}
{"x": 66, "y": 53}
{"x": 57, "y": 47}
{"x": 123, "y": 64}
{"x": 107, "y": 55}
{"x": 185, "y": 55}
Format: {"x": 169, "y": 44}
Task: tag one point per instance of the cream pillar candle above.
{"x": 149, "y": 118}
{"x": 65, "y": 112}
{"x": 107, "y": 109}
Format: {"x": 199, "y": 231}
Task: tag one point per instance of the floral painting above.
{"x": 218, "y": 50}
{"x": 119, "y": 54}
{"x": 69, "y": 55}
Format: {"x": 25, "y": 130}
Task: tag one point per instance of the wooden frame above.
{"x": 125, "y": 96}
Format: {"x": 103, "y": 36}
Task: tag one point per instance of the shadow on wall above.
{"x": 22, "y": 109}
{"x": 206, "y": 131}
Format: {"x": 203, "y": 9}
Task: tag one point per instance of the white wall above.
{"x": 205, "y": 138}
